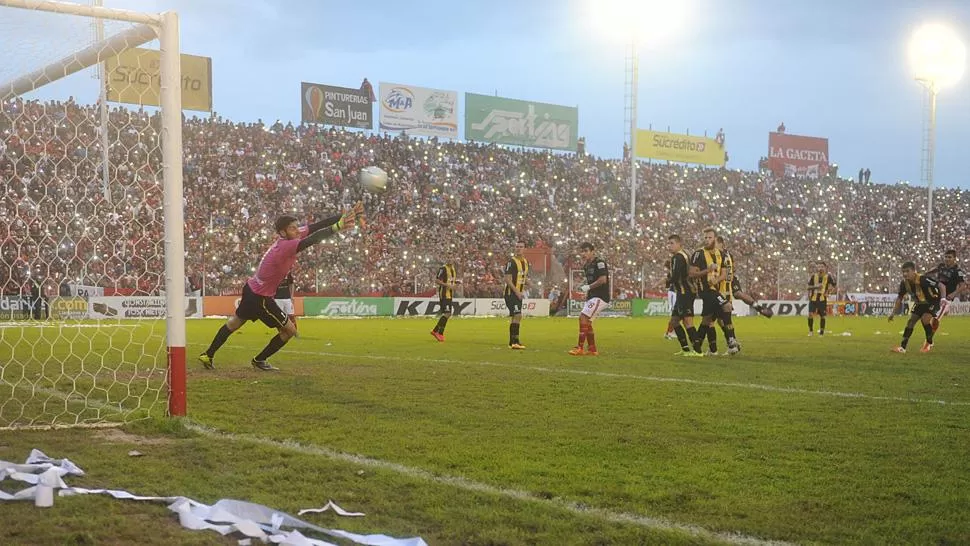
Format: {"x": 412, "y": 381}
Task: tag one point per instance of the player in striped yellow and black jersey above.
{"x": 682, "y": 311}
{"x": 820, "y": 285}
{"x": 446, "y": 280}
{"x": 706, "y": 266}
{"x": 726, "y": 291}
{"x": 516, "y": 279}
{"x": 925, "y": 293}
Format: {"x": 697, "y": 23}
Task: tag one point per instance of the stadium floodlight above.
{"x": 938, "y": 59}
{"x": 635, "y": 23}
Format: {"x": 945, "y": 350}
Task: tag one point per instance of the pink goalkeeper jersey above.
{"x": 274, "y": 266}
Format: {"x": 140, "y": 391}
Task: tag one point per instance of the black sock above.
{"x": 691, "y": 335}
{"x": 682, "y": 337}
{"x": 906, "y": 333}
{"x": 700, "y": 337}
{"x": 728, "y": 326}
{"x": 811, "y": 324}
{"x": 514, "y": 333}
{"x": 712, "y": 339}
{"x": 221, "y": 336}
{"x": 442, "y": 322}
{"x": 821, "y": 325}
{"x": 274, "y": 345}
{"x": 928, "y": 329}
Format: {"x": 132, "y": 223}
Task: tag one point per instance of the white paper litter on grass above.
{"x": 227, "y": 516}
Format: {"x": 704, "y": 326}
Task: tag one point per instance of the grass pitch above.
{"x": 806, "y": 440}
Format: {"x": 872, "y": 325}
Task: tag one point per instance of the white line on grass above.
{"x": 658, "y": 379}
{"x": 658, "y": 524}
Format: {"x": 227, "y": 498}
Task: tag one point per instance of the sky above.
{"x": 834, "y": 69}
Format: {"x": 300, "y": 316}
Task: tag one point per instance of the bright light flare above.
{"x": 647, "y": 22}
{"x": 937, "y": 55}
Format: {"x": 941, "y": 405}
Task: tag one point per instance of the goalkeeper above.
{"x": 258, "y": 301}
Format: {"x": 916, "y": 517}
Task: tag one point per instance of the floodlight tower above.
{"x": 938, "y": 59}
{"x": 637, "y": 23}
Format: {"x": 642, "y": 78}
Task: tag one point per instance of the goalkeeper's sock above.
{"x": 221, "y": 336}
{"x": 274, "y": 345}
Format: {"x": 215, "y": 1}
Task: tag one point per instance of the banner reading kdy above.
{"x": 520, "y": 123}
{"x": 134, "y": 78}
{"x": 679, "y": 148}
{"x": 419, "y": 110}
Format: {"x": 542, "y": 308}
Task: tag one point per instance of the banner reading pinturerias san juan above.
{"x": 798, "y": 156}
{"x": 419, "y": 110}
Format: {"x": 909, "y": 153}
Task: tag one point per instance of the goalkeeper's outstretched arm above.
{"x": 328, "y": 227}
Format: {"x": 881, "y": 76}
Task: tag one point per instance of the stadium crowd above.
{"x": 465, "y": 201}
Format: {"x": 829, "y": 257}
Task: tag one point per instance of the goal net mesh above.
{"x": 81, "y": 236}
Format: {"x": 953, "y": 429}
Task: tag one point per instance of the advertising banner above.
{"x": 332, "y": 105}
{"x": 410, "y": 307}
{"x": 152, "y": 307}
{"x": 418, "y": 110}
{"x": 134, "y": 77}
{"x": 69, "y": 308}
{"x": 220, "y": 306}
{"x": 617, "y": 308}
{"x": 15, "y": 307}
{"x": 348, "y": 307}
{"x": 798, "y": 156}
{"x": 496, "y": 307}
{"x": 679, "y": 148}
{"x": 520, "y": 123}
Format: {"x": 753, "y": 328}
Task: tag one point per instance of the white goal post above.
{"x": 46, "y": 381}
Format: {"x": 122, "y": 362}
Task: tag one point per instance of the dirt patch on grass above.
{"x": 117, "y": 436}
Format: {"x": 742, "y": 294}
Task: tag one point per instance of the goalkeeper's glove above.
{"x": 584, "y": 288}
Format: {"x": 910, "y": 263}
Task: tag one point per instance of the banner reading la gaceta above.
{"x": 419, "y": 110}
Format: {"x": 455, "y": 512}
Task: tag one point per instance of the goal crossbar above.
{"x": 99, "y": 12}
{"x": 76, "y": 62}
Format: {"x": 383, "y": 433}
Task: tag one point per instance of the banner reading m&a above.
{"x": 679, "y": 148}
{"x": 419, "y": 110}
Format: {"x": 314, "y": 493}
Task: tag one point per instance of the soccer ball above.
{"x": 373, "y": 179}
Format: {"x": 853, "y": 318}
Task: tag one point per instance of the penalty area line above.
{"x": 655, "y": 379}
{"x": 577, "y": 508}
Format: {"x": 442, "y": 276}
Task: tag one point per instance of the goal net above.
{"x": 92, "y": 300}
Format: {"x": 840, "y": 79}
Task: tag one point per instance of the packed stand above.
{"x": 461, "y": 200}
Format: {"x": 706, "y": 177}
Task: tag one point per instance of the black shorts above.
{"x": 514, "y": 304}
{"x": 819, "y": 307}
{"x": 445, "y": 305}
{"x": 931, "y": 307}
{"x": 683, "y": 306}
{"x": 252, "y": 306}
{"x": 713, "y": 302}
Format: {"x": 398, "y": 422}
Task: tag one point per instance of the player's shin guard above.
{"x": 682, "y": 337}
{"x": 728, "y": 327}
{"x": 821, "y": 325}
{"x": 221, "y": 336}
{"x": 583, "y": 332}
{"x": 274, "y": 345}
{"x": 442, "y": 322}
{"x": 928, "y": 330}
{"x": 906, "y": 333}
{"x": 700, "y": 337}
